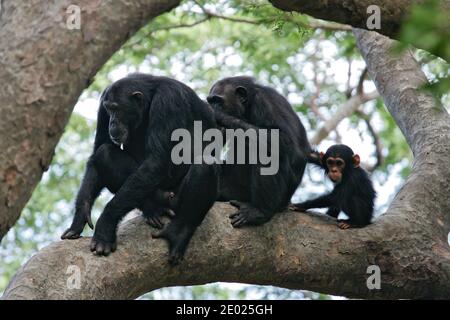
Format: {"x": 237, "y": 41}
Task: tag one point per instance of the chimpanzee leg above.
{"x": 333, "y": 212}
{"x": 359, "y": 213}
{"x": 114, "y": 166}
{"x": 269, "y": 194}
{"x": 195, "y": 197}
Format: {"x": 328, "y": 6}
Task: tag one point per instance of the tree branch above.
{"x": 376, "y": 141}
{"x": 354, "y": 13}
{"x": 168, "y": 28}
{"x": 283, "y": 252}
{"x": 349, "y": 107}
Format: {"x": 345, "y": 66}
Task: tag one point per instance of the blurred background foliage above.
{"x": 314, "y": 63}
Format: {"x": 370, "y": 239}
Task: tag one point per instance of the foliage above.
{"x": 428, "y": 27}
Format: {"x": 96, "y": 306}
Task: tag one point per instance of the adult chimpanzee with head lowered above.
{"x": 241, "y": 103}
{"x": 140, "y": 112}
{"x": 353, "y": 192}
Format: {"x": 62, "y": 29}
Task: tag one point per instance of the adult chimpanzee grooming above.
{"x": 241, "y": 103}
{"x": 353, "y": 192}
{"x": 140, "y": 112}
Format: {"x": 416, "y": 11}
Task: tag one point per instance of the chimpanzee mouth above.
{"x": 118, "y": 141}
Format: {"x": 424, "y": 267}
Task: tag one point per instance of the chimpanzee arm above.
{"x": 91, "y": 186}
{"x": 324, "y": 201}
{"x": 314, "y": 158}
{"x": 232, "y": 122}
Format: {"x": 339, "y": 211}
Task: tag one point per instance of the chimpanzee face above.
{"x": 126, "y": 111}
{"x": 339, "y": 160}
{"x": 228, "y": 98}
{"x": 335, "y": 168}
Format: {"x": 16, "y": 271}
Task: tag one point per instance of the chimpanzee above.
{"x": 241, "y": 103}
{"x": 139, "y": 114}
{"x": 353, "y": 192}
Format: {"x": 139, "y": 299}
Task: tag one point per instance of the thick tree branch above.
{"x": 294, "y": 250}
{"x": 354, "y": 13}
{"x": 44, "y": 66}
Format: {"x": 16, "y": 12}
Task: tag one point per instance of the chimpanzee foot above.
{"x": 74, "y": 232}
{"x": 102, "y": 248}
{"x": 343, "y": 224}
{"x": 104, "y": 240}
{"x": 178, "y": 241}
{"x": 247, "y": 215}
{"x": 81, "y": 218}
{"x": 71, "y": 234}
{"x": 176, "y": 256}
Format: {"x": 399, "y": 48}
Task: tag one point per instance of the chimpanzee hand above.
{"x": 82, "y": 216}
{"x": 162, "y": 205}
{"x": 104, "y": 240}
{"x": 246, "y": 215}
{"x": 297, "y": 207}
{"x": 154, "y": 216}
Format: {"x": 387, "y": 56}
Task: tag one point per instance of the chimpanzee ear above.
{"x": 241, "y": 92}
{"x": 321, "y": 155}
{"x": 137, "y": 94}
{"x": 356, "y": 161}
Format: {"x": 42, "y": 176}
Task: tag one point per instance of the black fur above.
{"x": 141, "y": 111}
{"x": 240, "y": 102}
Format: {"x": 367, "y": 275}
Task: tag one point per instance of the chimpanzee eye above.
{"x": 111, "y": 107}
{"x": 339, "y": 163}
{"x": 215, "y": 100}
{"x": 330, "y": 162}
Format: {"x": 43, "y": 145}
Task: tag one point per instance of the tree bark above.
{"x": 354, "y": 12}
{"x": 44, "y": 67}
{"x": 303, "y": 251}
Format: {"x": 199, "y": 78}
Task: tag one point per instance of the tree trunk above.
{"x": 44, "y": 67}
{"x": 303, "y": 251}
